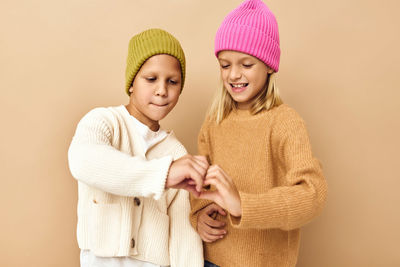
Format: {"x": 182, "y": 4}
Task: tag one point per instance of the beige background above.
{"x": 339, "y": 70}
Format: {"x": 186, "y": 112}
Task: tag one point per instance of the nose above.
{"x": 161, "y": 89}
{"x": 235, "y": 73}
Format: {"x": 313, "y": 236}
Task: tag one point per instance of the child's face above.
{"x": 155, "y": 89}
{"x": 244, "y": 76}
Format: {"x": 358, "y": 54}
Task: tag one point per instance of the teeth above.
{"x": 239, "y": 85}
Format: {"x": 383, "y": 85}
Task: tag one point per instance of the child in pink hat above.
{"x": 265, "y": 182}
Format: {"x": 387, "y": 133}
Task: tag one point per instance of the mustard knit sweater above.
{"x": 281, "y": 185}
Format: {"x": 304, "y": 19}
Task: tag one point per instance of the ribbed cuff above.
{"x": 159, "y": 188}
{"x": 259, "y": 213}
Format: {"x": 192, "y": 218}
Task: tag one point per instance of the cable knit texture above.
{"x": 123, "y": 209}
{"x": 281, "y": 185}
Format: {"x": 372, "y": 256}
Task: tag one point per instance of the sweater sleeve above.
{"x": 303, "y": 194}
{"x": 94, "y": 161}
{"x": 204, "y": 150}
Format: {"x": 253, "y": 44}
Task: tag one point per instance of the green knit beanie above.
{"x": 147, "y": 44}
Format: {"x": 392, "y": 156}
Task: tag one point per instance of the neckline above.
{"x": 245, "y": 114}
{"x": 140, "y": 124}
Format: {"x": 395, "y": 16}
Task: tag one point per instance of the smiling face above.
{"x": 155, "y": 90}
{"x": 243, "y": 76}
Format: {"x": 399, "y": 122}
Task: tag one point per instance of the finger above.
{"x": 199, "y": 160}
{"x": 213, "y": 168}
{"x": 191, "y": 182}
{"x": 191, "y": 174}
{"x": 211, "y": 180}
{"x": 202, "y": 161}
{"x": 205, "y": 228}
{"x": 199, "y": 173}
{"x": 219, "y": 179}
{"x": 205, "y": 239}
{"x": 218, "y": 171}
{"x": 191, "y": 188}
{"x": 217, "y": 208}
{"x": 219, "y": 195}
{"x": 197, "y": 177}
{"x": 210, "y": 209}
{"x": 210, "y": 238}
{"x": 202, "y": 234}
{"x": 215, "y": 231}
{"x": 214, "y": 224}
{"x": 198, "y": 167}
{"x": 227, "y": 177}
{"x": 202, "y": 158}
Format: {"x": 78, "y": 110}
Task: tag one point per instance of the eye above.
{"x": 225, "y": 66}
{"x": 248, "y": 66}
{"x": 173, "y": 82}
{"x": 151, "y": 79}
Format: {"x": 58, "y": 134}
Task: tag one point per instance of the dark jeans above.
{"x": 209, "y": 264}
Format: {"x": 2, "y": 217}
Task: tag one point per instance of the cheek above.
{"x": 224, "y": 75}
{"x": 143, "y": 96}
{"x": 258, "y": 78}
{"x": 174, "y": 94}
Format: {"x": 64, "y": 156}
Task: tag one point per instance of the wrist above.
{"x": 238, "y": 209}
{"x": 166, "y": 184}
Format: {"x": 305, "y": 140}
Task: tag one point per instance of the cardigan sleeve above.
{"x": 303, "y": 194}
{"x": 204, "y": 150}
{"x": 94, "y": 161}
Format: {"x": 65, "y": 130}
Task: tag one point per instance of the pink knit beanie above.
{"x": 251, "y": 28}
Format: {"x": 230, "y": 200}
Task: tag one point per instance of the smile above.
{"x": 239, "y": 87}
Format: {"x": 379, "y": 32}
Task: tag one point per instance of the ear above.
{"x": 130, "y": 90}
{"x": 270, "y": 71}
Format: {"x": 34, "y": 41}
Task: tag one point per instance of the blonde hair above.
{"x": 266, "y": 99}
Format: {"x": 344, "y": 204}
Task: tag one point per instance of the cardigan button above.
{"x": 137, "y": 201}
{"x": 132, "y": 243}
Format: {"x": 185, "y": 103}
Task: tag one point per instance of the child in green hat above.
{"x": 132, "y": 209}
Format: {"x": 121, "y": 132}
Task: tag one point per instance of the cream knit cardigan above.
{"x": 123, "y": 208}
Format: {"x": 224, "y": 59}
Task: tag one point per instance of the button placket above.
{"x": 137, "y": 209}
{"x": 137, "y": 201}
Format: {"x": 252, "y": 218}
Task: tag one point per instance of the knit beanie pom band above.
{"x": 251, "y": 28}
{"x": 147, "y": 44}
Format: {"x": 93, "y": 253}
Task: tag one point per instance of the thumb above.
{"x": 220, "y": 210}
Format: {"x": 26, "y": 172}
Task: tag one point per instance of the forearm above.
{"x": 285, "y": 207}
{"x": 113, "y": 171}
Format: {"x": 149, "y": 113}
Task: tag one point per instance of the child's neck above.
{"x": 153, "y": 125}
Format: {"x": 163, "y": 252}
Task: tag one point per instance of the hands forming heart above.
{"x": 192, "y": 173}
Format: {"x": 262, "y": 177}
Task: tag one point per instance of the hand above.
{"x": 208, "y": 228}
{"x": 226, "y": 195}
{"x": 187, "y": 173}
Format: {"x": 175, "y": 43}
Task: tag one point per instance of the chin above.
{"x": 239, "y": 99}
{"x": 159, "y": 117}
